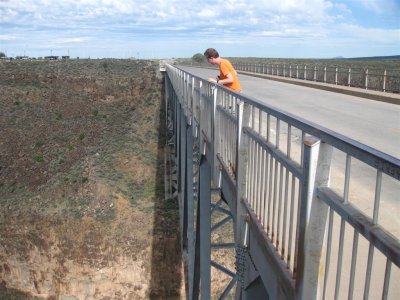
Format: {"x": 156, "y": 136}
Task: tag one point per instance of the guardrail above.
{"x": 314, "y": 212}
{"x": 385, "y": 80}
{"x": 373, "y": 79}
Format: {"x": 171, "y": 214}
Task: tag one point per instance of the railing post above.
{"x": 349, "y": 78}
{"x": 336, "y": 75}
{"x": 284, "y": 70}
{"x": 305, "y": 72}
{"x": 313, "y": 216}
{"x": 297, "y": 71}
{"x": 366, "y": 79}
{"x": 290, "y": 71}
{"x": 315, "y": 73}
{"x": 384, "y": 81}
{"x": 243, "y": 113}
{"x": 215, "y": 139}
{"x": 325, "y": 74}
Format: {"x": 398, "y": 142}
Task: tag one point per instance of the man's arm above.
{"x": 228, "y": 79}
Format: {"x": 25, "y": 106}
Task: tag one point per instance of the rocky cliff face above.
{"x": 82, "y": 214}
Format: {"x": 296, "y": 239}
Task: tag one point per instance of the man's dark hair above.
{"x": 211, "y": 53}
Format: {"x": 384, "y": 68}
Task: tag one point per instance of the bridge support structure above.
{"x": 267, "y": 174}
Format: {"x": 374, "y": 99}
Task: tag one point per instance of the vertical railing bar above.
{"x": 328, "y": 252}
{"x": 256, "y": 179}
{"x": 297, "y": 227}
{"x": 368, "y": 271}
{"x": 303, "y": 136}
{"x": 278, "y": 127}
{"x": 378, "y": 187}
{"x": 253, "y": 171}
{"x": 285, "y": 214}
{"x": 250, "y": 170}
{"x": 353, "y": 265}
{"x": 266, "y": 189}
{"x": 253, "y": 117}
{"x": 226, "y": 138}
{"x": 289, "y": 141}
{"x": 228, "y": 142}
{"x": 246, "y": 139}
{"x": 268, "y": 126}
{"x": 223, "y": 138}
{"x": 234, "y": 153}
{"x": 220, "y": 134}
{"x": 275, "y": 200}
{"x": 229, "y": 139}
{"x": 236, "y": 148}
{"x": 386, "y": 280}
{"x": 279, "y": 207}
{"x": 271, "y": 166}
{"x": 340, "y": 259}
{"x": 260, "y": 182}
{"x": 262, "y": 191}
{"x": 290, "y": 238}
{"x": 347, "y": 179}
{"x": 232, "y": 158}
{"x": 384, "y": 81}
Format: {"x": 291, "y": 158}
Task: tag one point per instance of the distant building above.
{"x": 22, "y": 57}
{"x": 65, "y": 57}
{"x": 51, "y": 57}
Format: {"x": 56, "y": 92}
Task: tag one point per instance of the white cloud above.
{"x": 5, "y": 37}
{"x": 373, "y": 35}
{"x": 378, "y": 6}
{"x": 206, "y": 12}
{"x": 226, "y": 22}
{"x": 71, "y": 40}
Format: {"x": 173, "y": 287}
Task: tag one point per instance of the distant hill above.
{"x": 392, "y": 57}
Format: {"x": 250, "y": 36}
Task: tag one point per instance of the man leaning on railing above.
{"x": 227, "y": 74}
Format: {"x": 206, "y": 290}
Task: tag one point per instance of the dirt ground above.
{"x": 82, "y": 209}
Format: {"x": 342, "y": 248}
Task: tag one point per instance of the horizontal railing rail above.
{"x": 314, "y": 210}
{"x": 384, "y": 79}
{"x": 367, "y": 78}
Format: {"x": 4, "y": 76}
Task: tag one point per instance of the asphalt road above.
{"x": 373, "y": 123}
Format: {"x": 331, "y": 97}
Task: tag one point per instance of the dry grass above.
{"x": 81, "y": 158}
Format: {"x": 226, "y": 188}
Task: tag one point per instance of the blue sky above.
{"x": 172, "y": 28}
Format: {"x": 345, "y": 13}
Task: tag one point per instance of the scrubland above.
{"x": 82, "y": 209}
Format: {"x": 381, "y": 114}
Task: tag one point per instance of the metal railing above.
{"x": 314, "y": 211}
{"x": 384, "y": 80}
{"x": 368, "y": 78}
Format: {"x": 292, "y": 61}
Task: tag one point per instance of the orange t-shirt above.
{"x": 225, "y": 67}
